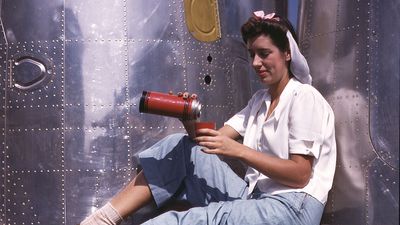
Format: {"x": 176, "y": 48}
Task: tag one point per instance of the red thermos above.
{"x": 169, "y": 105}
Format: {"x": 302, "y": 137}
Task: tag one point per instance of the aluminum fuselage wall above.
{"x": 72, "y": 73}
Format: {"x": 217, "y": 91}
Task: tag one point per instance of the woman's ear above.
{"x": 288, "y": 57}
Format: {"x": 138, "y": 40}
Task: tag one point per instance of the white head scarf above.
{"x": 298, "y": 65}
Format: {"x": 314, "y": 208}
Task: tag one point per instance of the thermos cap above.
{"x": 196, "y": 109}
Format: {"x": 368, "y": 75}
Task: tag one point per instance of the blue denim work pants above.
{"x": 175, "y": 167}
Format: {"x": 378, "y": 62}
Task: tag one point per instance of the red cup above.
{"x": 202, "y": 125}
{"x": 208, "y": 124}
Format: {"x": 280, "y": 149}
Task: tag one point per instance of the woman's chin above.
{"x": 266, "y": 81}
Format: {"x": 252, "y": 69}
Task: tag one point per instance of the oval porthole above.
{"x": 29, "y": 72}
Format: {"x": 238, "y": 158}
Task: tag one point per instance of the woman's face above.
{"x": 269, "y": 62}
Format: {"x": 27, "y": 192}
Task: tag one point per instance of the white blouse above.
{"x": 302, "y": 123}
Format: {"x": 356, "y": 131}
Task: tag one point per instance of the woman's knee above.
{"x": 163, "y": 146}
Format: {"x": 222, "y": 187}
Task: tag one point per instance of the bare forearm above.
{"x": 291, "y": 172}
{"x": 294, "y": 172}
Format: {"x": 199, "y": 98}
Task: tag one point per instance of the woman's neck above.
{"x": 276, "y": 90}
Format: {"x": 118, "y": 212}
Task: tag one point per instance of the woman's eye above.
{"x": 264, "y": 54}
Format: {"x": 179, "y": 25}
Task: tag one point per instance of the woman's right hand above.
{"x": 188, "y": 124}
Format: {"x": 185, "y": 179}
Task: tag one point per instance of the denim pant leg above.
{"x": 293, "y": 208}
{"x": 177, "y": 164}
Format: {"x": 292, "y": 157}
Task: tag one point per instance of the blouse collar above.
{"x": 284, "y": 98}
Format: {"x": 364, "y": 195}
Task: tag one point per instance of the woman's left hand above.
{"x": 216, "y": 143}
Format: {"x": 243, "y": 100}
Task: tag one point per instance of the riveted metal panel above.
{"x": 350, "y": 48}
{"x": 70, "y": 141}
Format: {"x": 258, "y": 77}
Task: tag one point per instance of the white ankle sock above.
{"x": 106, "y": 215}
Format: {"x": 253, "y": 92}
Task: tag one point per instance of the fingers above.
{"x": 209, "y": 151}
{"x": 207, "y": 138}
{"x": 209, "y": 142}
{"x": 207, "y": 132}
{"x": 186, "y": 95}
{"x": 209, "y": 145}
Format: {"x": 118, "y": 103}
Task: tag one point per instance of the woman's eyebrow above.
{"x": 263, "y": 50}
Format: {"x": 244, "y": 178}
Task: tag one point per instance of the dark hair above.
{"x": 275, "y": 28}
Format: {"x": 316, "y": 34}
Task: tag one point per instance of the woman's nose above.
{"x": 256, "y": 61}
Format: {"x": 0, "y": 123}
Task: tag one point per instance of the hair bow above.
{"x": 260, "y": 14}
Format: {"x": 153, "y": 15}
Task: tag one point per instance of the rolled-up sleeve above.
{"x": 306, "y": 122}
